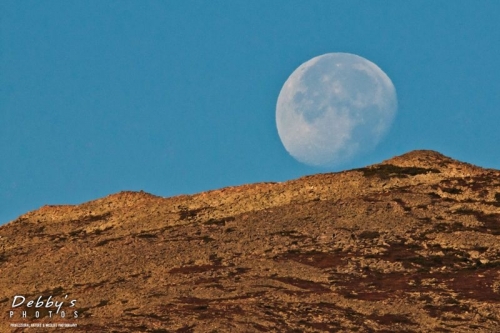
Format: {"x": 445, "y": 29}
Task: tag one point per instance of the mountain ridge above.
{"x": 411, "y": 243}
{"x": 414, "y": 158}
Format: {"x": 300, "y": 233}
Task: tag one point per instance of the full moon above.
{"x": 333, "y": 108}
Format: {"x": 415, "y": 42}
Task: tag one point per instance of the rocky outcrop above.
{"x": 411, "y": 244}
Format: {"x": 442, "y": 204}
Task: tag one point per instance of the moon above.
{"x": 334, "y": 107}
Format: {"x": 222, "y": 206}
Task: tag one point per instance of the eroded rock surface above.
{"x": 408, "y": 245}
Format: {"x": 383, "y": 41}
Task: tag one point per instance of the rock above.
{"x": 410, "y": 244}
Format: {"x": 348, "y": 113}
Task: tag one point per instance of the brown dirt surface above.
{"x": 408, "y": 245}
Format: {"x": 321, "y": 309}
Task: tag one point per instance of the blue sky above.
{"x": 178, "y": 97}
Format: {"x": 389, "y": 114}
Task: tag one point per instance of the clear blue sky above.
{"x": 178, "y": 97}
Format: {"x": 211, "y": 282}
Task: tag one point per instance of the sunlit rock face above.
{"x": 410, "y": 244}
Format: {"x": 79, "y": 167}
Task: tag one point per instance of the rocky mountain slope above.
{"x": 408, "y": 245}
